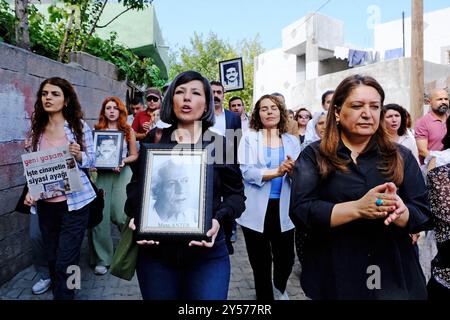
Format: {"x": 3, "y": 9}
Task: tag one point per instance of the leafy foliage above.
{"x": 204, "y": 56}
{"x": 47, "y": 34}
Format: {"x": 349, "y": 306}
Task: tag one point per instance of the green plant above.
{"x": 7, "y": 22}
{"x": 48, "y": 34}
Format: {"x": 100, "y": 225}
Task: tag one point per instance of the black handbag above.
{"x": 96, "y": 206}
{"x": 20, "y": 206}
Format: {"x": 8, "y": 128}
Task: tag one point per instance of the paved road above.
{"x": 108, "y": 287}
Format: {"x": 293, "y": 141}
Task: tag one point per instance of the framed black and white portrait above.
{"x": 176, "y": 196}
{"x": 108, "y": 148}
{"x": 232, "y": 74}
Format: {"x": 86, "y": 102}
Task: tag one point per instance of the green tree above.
{"x": 204, "y": 56}
{"x": 69, "y": 26}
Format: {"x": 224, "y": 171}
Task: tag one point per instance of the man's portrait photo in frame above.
{"x": 174, "y": 197}
{"x": 108, "y": 148}
{"x": 231, "y": 74}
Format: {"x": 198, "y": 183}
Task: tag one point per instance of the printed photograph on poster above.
{"x": 51, "y": 173}
{"x": 232, "y": 74}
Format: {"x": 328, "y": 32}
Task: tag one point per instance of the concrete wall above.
{"x": 21, "y": 73}
{"x": 436, "y": 36}
{"x": 274, "y": 71}
{"x": 325, "y": 31}
{"x": 393, "y": 75}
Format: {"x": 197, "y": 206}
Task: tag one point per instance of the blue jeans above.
{"x": 39, "y": 254}
{"x": 180, "y": 272}
{"x": 63, "y": 233}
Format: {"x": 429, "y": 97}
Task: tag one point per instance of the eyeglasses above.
{"x": 152, "y": 98}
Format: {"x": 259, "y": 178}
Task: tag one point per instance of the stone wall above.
{"x": 21, "y": 73}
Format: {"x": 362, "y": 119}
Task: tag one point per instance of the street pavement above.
{"x": 109, "y": 287}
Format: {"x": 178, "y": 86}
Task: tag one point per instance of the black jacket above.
{"x": 338, "y": 262}
{"x": 228, "y": 188}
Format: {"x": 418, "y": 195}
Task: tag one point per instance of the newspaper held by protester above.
{"x": 51, "y": 173}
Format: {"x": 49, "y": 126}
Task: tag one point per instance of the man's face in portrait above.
{"x": 107, "y": 148}
{"x": 231, "y": 74}
{"x": 175, "y": 188}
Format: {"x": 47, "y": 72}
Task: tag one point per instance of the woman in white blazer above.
{"x": 267, "y": 155}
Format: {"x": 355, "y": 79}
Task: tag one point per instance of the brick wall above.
{"x": 21, "y": 73}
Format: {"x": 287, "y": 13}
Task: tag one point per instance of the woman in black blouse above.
{"x": 197, "y": 270}
{"x": 359, "y": 196}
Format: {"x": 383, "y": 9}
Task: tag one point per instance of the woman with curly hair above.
{"x": 57, "y": 121}
{"x": 267, "y": 154}
{"x": 113, "y": 116}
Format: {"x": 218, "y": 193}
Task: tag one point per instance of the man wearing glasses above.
{"x": 145, "y": 121}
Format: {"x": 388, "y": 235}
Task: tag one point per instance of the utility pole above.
{"x": 416, "y": 70}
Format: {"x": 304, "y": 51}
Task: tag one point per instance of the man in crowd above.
{"x": 136, "y": 107}
{"x": 431, "y": 129}
{"x": 327, "y": 96}
{"x": 236, "y": 104}
{"x": 144, "y": 121}
{"x": 227, "y": 124}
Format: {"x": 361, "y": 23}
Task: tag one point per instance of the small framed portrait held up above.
{"x": 108, "y": 148}
{"x": 176, "y": 194}
{"x": 232, "y": 74}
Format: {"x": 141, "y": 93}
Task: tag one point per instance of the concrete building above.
{"x": 307, "y": 53}
{"x": 305, "y": 66}
{"x": 436, "y": 36}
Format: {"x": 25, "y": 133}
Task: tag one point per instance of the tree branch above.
{"x": 104, "y": 26}
{"x": 93, "y": 26}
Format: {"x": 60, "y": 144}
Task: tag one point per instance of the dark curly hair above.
{"x": 255, "y": 121}
{"x": 71, "y": 112}
{"x": 403, "y": 117}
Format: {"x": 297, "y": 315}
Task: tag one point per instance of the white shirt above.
{"x": 220, "y": 126}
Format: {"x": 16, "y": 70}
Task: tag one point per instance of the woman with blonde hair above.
{"x": 113, "y": 116}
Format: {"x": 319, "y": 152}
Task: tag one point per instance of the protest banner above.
{"x": 51, "y": 173}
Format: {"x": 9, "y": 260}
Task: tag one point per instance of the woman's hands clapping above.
{"x": 390, "y": 205}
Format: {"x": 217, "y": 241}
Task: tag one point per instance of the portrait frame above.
{"x": 163, "y": 166}
{"x": 223, "y": 68}
{"x": 116, "y": 157}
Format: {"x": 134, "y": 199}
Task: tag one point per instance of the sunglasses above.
{"x": 304, "y": 117}
{"x": 152, "y": 98}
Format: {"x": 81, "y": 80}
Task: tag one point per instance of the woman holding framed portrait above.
{"x": 113, "y": 119}
{"x": 190, "y": 270}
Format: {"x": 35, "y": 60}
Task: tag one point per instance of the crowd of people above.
{"x": 350, "y": 189}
